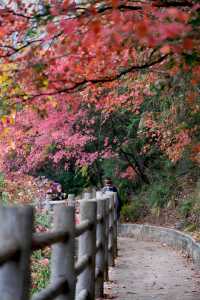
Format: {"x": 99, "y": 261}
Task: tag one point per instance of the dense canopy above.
{"x": 83, "y": 81}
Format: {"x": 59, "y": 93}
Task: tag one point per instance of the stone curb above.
{"x": 168, "y": 236}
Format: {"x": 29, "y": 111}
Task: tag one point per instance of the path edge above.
{"x": 171, "y": 237}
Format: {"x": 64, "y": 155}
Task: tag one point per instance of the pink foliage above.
{"x": 129, "y": 174}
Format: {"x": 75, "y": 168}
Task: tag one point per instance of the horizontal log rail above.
{"x": 42, "y": 240}
{"x": 99, "y": 219}
{"x": 98, "y": 273}
{"x": 52, "y": 291}
{"x": 10, "y": 249}
{"x": 97, "y": 243}
{"x": 83, "y": 227}
{"x": 83, "y": 295}
{"x": 82, "y": 264}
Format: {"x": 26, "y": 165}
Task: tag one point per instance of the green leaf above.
{"x": 191, "y": 59}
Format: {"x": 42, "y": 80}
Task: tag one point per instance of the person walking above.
{"x": 109, "y": 187}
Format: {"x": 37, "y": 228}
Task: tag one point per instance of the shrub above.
{"x": 186, "y": 208}
{"x": 190, "y": 207}
{"x": 42, "y": 221}
{"x": 40, "y": 269}
{"x": 161, "y": 192}
{"x": 133, "y": 211}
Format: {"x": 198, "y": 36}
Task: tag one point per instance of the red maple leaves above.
{"x": 69, "y": 57}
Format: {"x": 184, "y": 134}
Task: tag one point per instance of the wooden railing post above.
{"x": 111, "y": 260}
{"x": 106, "y": 221}
{"x": 115, "y": 225}
{"x": 100, "y": 256}
{"x": 62, "y": 266}
{"x": 87, "y": 196}
{"x": 93, "y": 192}
{"x": 16, "y": 226}
{"x": 87, "y": 246}
{"x": 71, "y": 200}
{"x": 99, "y": 195}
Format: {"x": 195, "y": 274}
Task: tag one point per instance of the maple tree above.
{"x": 59, "y": 59}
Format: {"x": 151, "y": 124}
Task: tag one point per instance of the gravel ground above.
{"x": 151, "y": 271}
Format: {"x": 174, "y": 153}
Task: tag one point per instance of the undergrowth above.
{"x": 171, "y": 188}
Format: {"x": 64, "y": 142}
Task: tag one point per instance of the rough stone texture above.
{"x": 171, "y": 237}
{"x": 152, "y": 271}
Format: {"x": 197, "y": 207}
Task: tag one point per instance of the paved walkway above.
{"x": 151, "y": 271}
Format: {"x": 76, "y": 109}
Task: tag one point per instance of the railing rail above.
{"x": 70, "y": 279}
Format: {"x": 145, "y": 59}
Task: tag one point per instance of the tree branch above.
{"x": 78, "y": 10}
{"x": 174, "y": 4}
{"x": 123, "y": 7}
{"x": 15, "y": 50}
{"x": 83, "y": 83}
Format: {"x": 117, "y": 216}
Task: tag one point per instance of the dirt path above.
{"x": 151, "y": 271}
